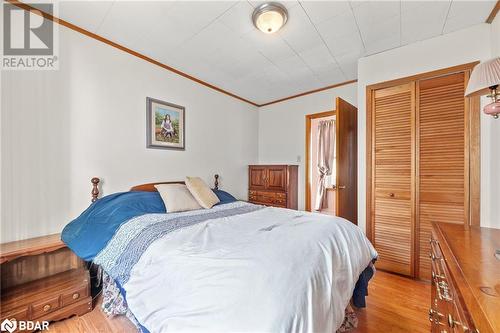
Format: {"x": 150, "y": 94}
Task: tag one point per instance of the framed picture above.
{"x": 165, "y": 125}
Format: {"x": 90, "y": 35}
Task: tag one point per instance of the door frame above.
{"x": 472, "y": 150}
{"x": 309, "y": 117}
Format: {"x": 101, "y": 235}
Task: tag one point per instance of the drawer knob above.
{"x": 46, "y": 307}
{"x": 433, "y": 314}
{"x": 433, "y": 257}
{"x": 453, "y": 323}
{"x": 391, "y": 195}
{"x": 76, "y": 295}
{"x": 437, "y": 276}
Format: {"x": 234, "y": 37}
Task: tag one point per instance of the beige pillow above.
{"x": 177, "y": 198}
{"x": 201, "y": 192}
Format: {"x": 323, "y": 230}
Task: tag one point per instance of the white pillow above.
{"x": 201, "y": 192}
{"x": 177, "y": 198}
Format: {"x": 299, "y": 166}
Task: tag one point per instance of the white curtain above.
{"x": 326, "y": 150}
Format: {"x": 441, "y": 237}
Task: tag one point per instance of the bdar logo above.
{"x": 8, "y": 325}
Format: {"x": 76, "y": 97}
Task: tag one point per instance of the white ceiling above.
{"x": 216, "y": 41}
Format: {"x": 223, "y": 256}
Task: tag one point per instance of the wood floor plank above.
{"x": 395, "y": 305}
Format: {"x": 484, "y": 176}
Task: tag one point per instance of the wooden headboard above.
{"x": 149, "y": 187}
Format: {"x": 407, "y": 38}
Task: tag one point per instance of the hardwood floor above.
{"x": 394, "y": 304}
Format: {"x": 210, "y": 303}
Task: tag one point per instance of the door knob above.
{"x": 341, "y": 187}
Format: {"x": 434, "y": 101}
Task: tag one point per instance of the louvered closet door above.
{"x": 393, "y": 166}
{"x": 442, "y": 179}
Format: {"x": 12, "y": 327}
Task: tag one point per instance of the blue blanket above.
{"x": 89, "y": 233}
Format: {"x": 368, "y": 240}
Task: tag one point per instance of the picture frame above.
{"x": 165, "y": 125}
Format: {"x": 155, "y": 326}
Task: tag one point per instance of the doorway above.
{"x": 316, "y": 123}
{"x": 331, "y": 161}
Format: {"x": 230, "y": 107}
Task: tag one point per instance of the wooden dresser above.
{"x": 273, "y": 185}
{"x": 42, "y": 280}
{"x": 465, "y": 279}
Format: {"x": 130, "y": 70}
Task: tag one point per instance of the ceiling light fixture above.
{"x": 270, "y": 17}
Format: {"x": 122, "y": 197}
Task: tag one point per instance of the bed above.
{"x": 237, "y": 267}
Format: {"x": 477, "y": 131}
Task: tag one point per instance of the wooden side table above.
{"x": 42, "y": 280}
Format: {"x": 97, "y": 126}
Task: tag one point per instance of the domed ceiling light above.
{"x": 269, "y": 17}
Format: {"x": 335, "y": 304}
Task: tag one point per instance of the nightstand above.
{"x": 42, "y": 280}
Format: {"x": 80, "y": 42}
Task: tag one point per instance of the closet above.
{"x": 422, "y": 164}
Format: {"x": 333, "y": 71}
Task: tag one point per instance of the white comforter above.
{"x": 272, "y": 270}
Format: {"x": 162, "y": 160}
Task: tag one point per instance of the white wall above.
{"x": 471, "y": 44}
{"x": 60, "y": 128}
{"x": 282, "y": 128}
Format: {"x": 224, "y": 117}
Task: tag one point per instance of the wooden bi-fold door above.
{"x": 442, "y": 170}
{"x": 393, "y": 166}
{"x": 423, "y": 165}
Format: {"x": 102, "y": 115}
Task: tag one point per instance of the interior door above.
{"x": 393, "y": 169}
{"x": 347, "y": 161}
{"x": 276, "y": 178}
{"x": 257, "y": 178}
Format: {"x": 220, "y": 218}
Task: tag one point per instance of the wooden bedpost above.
{"x": 216, "y": 183}
{"x": 95, "y": 189}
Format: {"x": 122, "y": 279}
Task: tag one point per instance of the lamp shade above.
{"x": 484, "y": 75}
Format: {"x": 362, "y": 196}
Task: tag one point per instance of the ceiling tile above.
{"x": 341, "y": 25}
{"x": 350, "y": 70}
{"x": 371, "y": 13}
{"x": 351, "y": 43}
{"x": 381, "y": 30}
{"x": 85, "y": 14}
{"x": 121, "y": 24}
{"x": 320, "y": 11}
{"x": 239, "y": 18}
{"x": 422, "y": 20}
{"x": 292, "y": 64}
{"x": 198, "y": 14}
{"x": 380, "y": 45}
{"x": 378, "y": 21}
{"x": 330, "y": 75}
{"x": 299, "y": 32}
{"x": 272, "y": 46}
{"x": 466, "y": 13}
{"x": 210, "y": 39}
{"x": 319, "y": 56}
{"x": 478, "y": 9}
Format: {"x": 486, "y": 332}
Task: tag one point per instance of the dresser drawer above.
{"x": 267, "y": 198}
{"x": 46, "y": 306}
{"x": 50, "y": 298}
{"x": 75, "y": 295}
{"x": 266, "y": 194}
{"x": 16, "y": 314}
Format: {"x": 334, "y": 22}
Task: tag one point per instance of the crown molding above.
{"x": 309, "y": 92}
{"x": 494, "y": 12}
{"x": 104, "y": 40}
